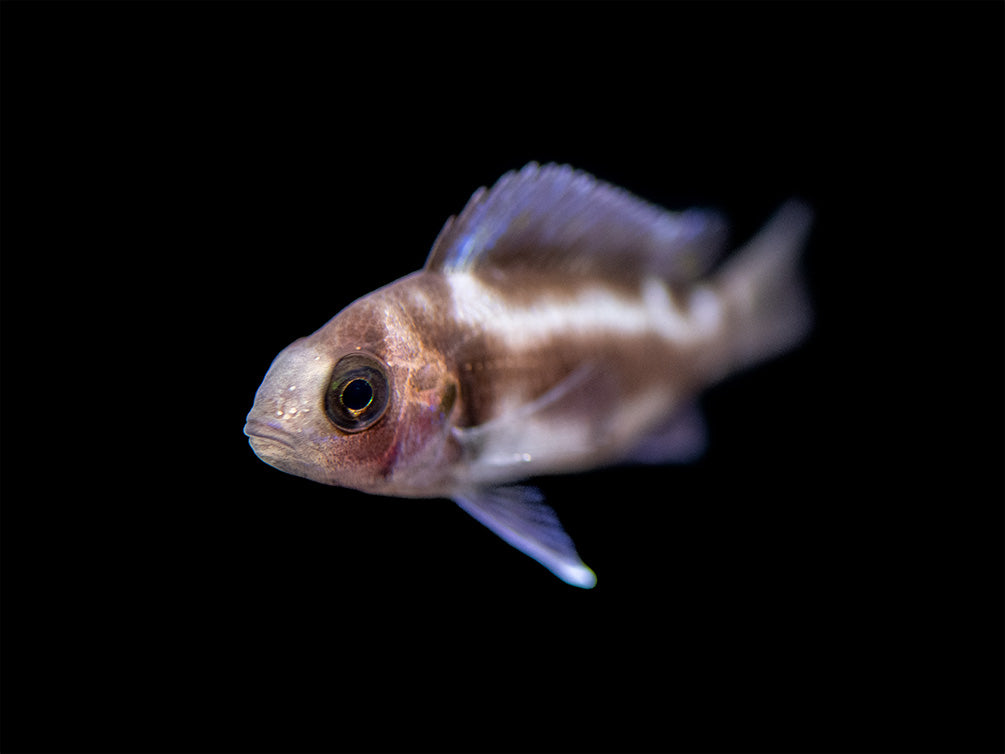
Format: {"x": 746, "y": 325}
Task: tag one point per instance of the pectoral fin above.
{"x": 505, "y": 440}
{"x": 518, "y": 515}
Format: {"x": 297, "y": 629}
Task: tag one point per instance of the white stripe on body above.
{"x": 594, "y": 310}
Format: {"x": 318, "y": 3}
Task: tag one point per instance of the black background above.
{"x": 187, "y": 188}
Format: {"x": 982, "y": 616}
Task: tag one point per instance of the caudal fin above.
{"x": 765, "y": 298}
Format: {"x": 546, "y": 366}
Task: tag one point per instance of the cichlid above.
{"x": 559, "y": 324}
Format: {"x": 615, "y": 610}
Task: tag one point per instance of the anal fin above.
{"x": 518, "y": 515}
{"x": 681, "y": 439}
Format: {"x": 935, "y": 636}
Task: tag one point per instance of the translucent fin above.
{"x": 518, "y": 515}
{"x": 763, "y": 290}
{"x": 680, "y": 440}
{"x": 557, "y": 219}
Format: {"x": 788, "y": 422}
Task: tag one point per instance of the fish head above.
{"x": 361, "y": 403}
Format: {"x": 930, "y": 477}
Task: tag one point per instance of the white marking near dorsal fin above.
{"x": 593, "y": 310}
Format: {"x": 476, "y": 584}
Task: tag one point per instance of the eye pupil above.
{"x": 357, "y": 395}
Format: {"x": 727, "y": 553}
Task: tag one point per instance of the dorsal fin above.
{"x": 557, "y": 219}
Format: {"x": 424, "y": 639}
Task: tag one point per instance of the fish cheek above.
{"x": 360, "y": 459}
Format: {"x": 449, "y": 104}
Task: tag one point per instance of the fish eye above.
{"x": 357, "y": 392}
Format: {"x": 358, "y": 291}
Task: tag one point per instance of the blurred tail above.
{"x": 766, "y": 303}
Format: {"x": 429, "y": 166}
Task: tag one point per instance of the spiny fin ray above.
{"x": 555, "y": 218}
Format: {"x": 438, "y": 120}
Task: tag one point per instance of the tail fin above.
{"x": 765, "y": 299}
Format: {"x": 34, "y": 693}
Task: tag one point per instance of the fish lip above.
{"x": 254, "y": 431}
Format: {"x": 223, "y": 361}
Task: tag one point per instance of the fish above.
{"x": 559, "y": 324}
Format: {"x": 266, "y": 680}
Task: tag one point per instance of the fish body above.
{"x": 559, "y": 324}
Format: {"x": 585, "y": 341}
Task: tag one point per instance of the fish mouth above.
{"x": 280, "y": 451}
{"x": 258, "y": 431}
